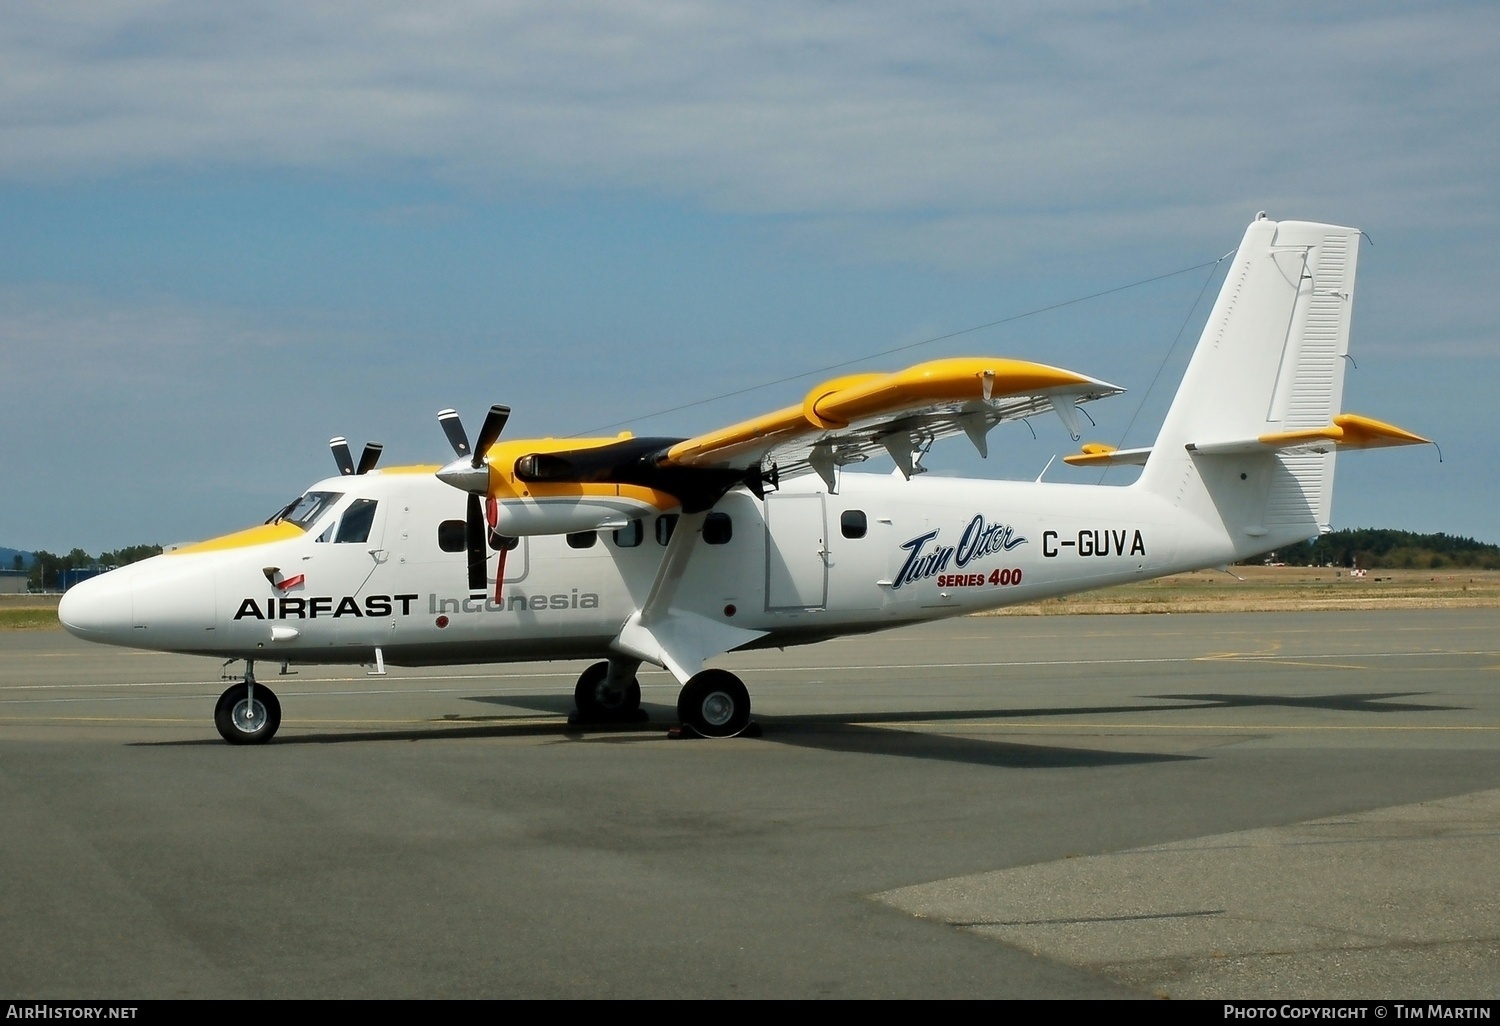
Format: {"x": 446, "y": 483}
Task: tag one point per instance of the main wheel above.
{"x": 714, "y": 703}
{"x": 596, "y": 700}
{"x": 243, "y": 720}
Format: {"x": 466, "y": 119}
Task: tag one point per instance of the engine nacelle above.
{"x": 570, "y": 514}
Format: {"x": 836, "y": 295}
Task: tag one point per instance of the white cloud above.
{"x": 1052, "y": 143}
{"x": 787, "y": 108}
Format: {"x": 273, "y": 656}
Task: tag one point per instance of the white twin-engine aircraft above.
{"x": 672, "y": 551}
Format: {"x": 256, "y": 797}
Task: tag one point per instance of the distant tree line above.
{"x": 47, "y": 567}
{"x": 1380, "y": 549}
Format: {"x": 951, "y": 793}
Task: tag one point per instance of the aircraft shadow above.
{"x": 862, "y": 732}
{"x": 1371, "y": 702}
{"x": 830, "y": 733}
{"x": 865, "y": 738}
{"x": 466, "y": 727}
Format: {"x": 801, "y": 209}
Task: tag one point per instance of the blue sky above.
{"x": 227, "y": 235}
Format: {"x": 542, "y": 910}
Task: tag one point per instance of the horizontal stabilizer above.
{"x": 1348, "y": 431}
{"x": 1097, "y": 454}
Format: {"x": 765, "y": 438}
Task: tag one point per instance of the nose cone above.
{"x": 463, "y": 475}
{"x": 99, "y": 609}
{"x": 165, "y": 603}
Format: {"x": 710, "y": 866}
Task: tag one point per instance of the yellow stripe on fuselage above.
{"x": 263, "y": 534}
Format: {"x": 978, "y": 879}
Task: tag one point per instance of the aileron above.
{"x": 850, "y": 418}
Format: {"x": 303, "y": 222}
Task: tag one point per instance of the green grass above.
{"x": 27, "y": 618}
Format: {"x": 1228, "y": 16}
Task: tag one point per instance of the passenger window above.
{"x": 665, "y": 524}
{"x": 853, "y": 524}
{"x": 583, "y": 539}
{"x": 358, "y": 519}
{"x": 629, "y": 536}
{"x": 718, "y": 529}
{"x": 452, "y": 536}
{"x": 502, "y": 542}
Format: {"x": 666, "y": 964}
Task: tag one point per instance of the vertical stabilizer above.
{"x": 1270, "y": 361}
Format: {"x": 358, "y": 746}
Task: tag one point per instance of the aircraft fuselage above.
{"x": 801, "y": 566}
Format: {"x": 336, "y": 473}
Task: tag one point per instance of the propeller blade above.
{"x": 454, "y": 429}
{"x": 494, "y": 423}
{"x": 341, "y": 456}
{"x": 369, "y": 457}
{"x": 474, "y": 537}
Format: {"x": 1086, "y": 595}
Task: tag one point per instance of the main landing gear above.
{"x": 608, "y": 692}
{"x": 713, "y": 703}
{"x": 248, "y": 713}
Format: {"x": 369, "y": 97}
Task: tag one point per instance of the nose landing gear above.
{"x": 248, "y": 713}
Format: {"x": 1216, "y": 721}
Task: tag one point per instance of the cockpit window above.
{"x": 355, "y": 527}
{"x": 307, "y": 509}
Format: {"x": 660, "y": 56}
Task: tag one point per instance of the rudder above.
{"x": 1270, "y": 362}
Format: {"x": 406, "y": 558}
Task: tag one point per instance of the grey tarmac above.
{"x": 1235, "y": 805}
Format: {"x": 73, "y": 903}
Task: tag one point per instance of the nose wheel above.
{"x": 247, "y": 714}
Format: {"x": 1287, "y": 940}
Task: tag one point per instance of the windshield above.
{"x": 307, "y": 509}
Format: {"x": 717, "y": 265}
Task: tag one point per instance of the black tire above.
{"x": 714, "y": 703}
{"x": 596, "y": 702}
{"x": 245, "y": 722}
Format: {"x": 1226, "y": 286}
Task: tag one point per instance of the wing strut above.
{"x": 674, "y": 639}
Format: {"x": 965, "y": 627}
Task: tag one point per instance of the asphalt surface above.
{"x": 1190, "y": 806}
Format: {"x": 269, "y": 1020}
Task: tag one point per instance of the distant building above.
{"x": 67, "y": 578}
{"x": 12, "y": 582}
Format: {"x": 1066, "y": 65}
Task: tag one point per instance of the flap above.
{"x": 848, "y": 419}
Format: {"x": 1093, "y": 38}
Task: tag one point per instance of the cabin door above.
{"x": 796, "y": 552}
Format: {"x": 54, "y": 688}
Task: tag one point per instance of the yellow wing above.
{"x": 842, "y": 421}
{"x": 848, "y": 419}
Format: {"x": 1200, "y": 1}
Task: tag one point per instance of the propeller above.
{"x": 369, "y": 457}
{"x": 469, "y": 473}
{"x": 474, "y": 538}
{"x": 494, "y": 423}
{"x": 345, "y": 460}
